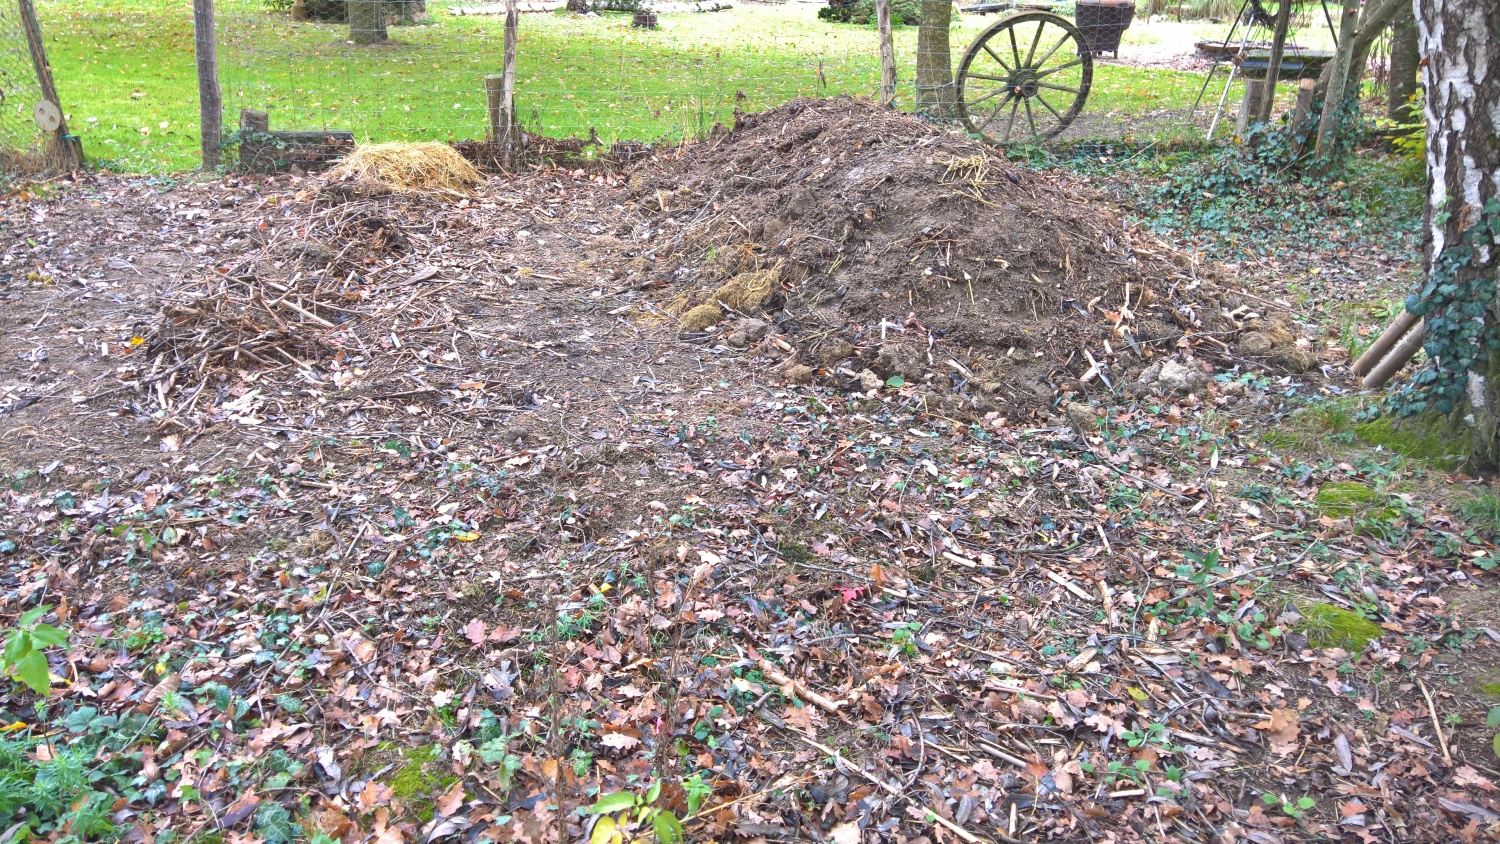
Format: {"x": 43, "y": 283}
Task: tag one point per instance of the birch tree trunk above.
{"x": 934, "y": 80}
{"x": 1461, "y": 42}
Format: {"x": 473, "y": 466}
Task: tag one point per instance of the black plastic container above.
{"x": 1103, "y": 22}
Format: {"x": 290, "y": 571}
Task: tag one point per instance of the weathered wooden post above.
{"x": 887, "y": 52}
{"x": 69, "y": 146}
{"x": 506, "y": 136}
{"x": 210, "y": 98}
{"x": 1255, "y": 90}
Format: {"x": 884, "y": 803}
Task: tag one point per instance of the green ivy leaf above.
{"x": 895, "y": 381}
{"x": 611, "y": 803}
{"x": 1495, "y": 745}
{"x": 1492, "y": 720}
{"x": 30, "y": 617}
{"x": 31, "y": 669}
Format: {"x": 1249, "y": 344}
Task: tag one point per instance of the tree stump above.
{"x": 644, "y": 19}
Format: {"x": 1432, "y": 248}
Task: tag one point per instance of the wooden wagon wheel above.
{"x": 1024, "y": 78}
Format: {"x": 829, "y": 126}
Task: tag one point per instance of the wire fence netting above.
{"x": 599, "y": 75}
{"x": 24, "y": 146}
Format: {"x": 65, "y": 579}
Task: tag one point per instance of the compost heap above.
{"x": 888, "y": 252}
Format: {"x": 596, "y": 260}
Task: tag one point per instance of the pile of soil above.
{"x": 904, "y": 250}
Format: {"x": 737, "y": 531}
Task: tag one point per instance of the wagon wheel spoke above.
{"x": 1059, "y": 68}
{"x": 1030, "y": 118}
{"x": 1014, "y": 50}
{"x": 1012, "y": 124}
{"x": 1006, "y": 91}
{"x": 1043, "y": 101}
{"x": 996, "y": 113}
{"x": 1035, "y": 40}
{"x": 1057, "y": 87}
{"x": 1043, "y": 60}
{"x": 996, "y": 56}
{"x": 989, "y": 78}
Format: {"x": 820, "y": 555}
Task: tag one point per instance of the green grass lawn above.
{"x": 125, "y": 73}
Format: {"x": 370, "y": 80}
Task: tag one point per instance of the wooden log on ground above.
{"x": 1388, "y": 338}
{"x": 1392, "y": 363}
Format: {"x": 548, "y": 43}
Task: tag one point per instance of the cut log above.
{"x": 1393, "y": 332}
{"x": 1392, "y": 363}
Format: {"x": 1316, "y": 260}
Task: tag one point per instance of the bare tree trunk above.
{"x": 1461, "y": 41}
{"x": 367, "y": 21}
{"x": 1273, "y": 66}
{"x": 210, "y": 98}
{"x": 934, "y": 82}
{"x": 1405, "y": 57}
{"x": 1357, "y": 32}
{"x": 578, "y": 7}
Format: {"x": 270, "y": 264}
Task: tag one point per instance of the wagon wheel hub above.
{"x": 1024, "y": 83}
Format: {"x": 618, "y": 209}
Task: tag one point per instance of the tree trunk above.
{"x": 410, "y": 11}
{"x": 1273, "y": 66}
{"x": 367, "y": 21}
{"x": 1461, "y": 40}
{"x": 210, "y": 97}
{"x": 1357, "y": 33}
{"x": 578, "y": 7}
{"x": 934, "y": 80}
{"x": 1404, "y": 60}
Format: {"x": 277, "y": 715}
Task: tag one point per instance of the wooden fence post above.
{"x": 507, "y": 137}
{"x": 70, "y": 147}
{"x": 210, "y": 98}
{"x": 887, "y": 52}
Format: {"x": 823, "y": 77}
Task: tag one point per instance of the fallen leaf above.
{"x": 474, "y": 632}
{"x": 451, "y": 801}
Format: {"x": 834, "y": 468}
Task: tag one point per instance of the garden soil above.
{"x": 909, "y": 251}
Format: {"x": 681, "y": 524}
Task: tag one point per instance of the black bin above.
{"x": 1102, "y": 22}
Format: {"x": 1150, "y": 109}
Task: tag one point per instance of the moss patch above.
{"x": 1328, "y": 626}
{"x": 1491, "y": 689}
{"x": 1419, "y": 438}
{"x": 1342, "y": 498}
{"x": 417, "y": 779}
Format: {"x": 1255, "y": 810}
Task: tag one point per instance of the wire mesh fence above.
{"x": 597, "y": 75}
{"x": 24, "y": 146}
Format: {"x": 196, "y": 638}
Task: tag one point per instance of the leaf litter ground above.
{"x": 407, "y": 520}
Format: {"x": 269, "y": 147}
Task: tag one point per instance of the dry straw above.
{"x": 426, "y": 168}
